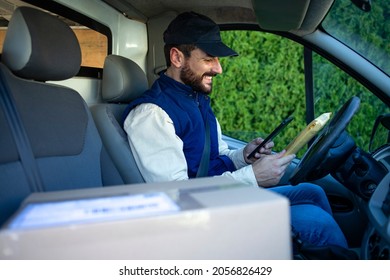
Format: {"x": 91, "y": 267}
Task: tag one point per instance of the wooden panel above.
{"x": 93, "y": 47}
{"x": 2, "y": 36}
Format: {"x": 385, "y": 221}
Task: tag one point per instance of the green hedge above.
{"x": 260, "y": 87}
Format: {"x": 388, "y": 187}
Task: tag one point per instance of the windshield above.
{"x": 364, "y": 26}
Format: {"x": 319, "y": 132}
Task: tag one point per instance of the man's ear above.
{"x": 177, "y": 57}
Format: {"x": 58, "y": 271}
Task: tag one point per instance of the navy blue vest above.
{"x": 188, "y": 110}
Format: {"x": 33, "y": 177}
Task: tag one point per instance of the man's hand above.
{"x": 266, "y": 150}
{"x": 269, "y": 169}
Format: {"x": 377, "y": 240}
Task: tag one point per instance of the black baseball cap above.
{"x": 197, "y": 29}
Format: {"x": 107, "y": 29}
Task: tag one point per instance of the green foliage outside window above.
{"x": 260, "y": 87}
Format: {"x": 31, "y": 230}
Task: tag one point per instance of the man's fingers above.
{"x": 284, "y": 159}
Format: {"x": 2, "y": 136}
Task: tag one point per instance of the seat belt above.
{"x": 204, "y": 162}
{"x": 19, "y": 134}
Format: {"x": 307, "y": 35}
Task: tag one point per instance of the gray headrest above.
{"x": 123, "y": 80}
{"x": 41, "y": 47}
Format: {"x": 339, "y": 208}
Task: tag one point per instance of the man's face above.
{"x": 199, "y": 69}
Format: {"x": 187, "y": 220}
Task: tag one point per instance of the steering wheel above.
{"x": 329, "y": 148}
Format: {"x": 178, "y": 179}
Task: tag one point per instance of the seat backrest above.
{"x": 67, "y": 152}
{"x": 123, "y": 81}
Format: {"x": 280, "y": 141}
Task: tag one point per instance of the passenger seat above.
{"x": 48, "y": 141}
{"x": 123, "y": 81}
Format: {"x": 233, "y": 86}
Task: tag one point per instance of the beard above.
{"x": 195, "y": 81}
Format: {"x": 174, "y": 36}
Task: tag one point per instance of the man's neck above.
{"x": 173, "y": 74}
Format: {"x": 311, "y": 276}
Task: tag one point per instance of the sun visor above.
{"x": 285, "y": 15}
{"x": 280, "y": 15}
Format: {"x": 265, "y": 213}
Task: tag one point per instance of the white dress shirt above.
{"x": 158, "y": 151}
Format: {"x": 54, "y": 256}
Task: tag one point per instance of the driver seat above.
{"x": 123, "y": 81}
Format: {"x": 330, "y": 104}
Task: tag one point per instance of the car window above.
{"x": 260, "y": 87}
{"x": 333, "y": 87}
{"x": 93, "y": 44}
{"x": 365, "y": 29}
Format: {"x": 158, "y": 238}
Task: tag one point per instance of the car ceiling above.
{"x": 298, "y": 16}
